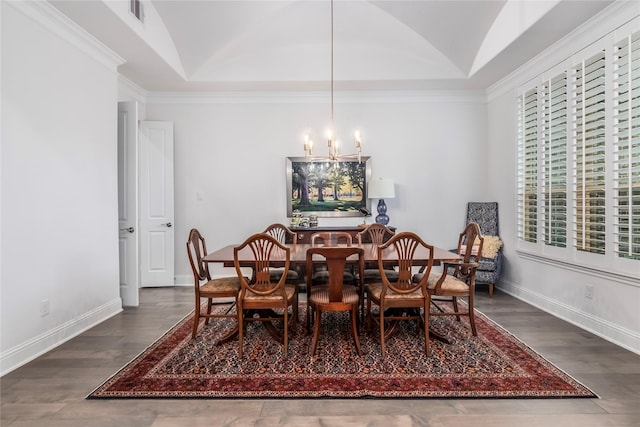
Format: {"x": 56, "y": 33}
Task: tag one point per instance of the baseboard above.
{"x": 39, "y": 345}
{"x": 183, "y": 280}
{"x": 611, "y": 332}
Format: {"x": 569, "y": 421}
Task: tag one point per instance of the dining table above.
{"x": 297, "y": 258}
{"x": 298, "y": 254}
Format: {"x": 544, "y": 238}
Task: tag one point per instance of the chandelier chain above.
{"x": 332, "y": 122}
{"x": 332, "y": 142}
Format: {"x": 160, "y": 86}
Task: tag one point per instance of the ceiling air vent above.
{"x": 136, "y": 7}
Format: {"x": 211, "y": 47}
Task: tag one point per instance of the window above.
{"x": 579, "y": 158}
{"x": 626, "y": 142}
{"x": 589, "y": 155}
{"x": 528, "y": 167}
{"x": 554, "y": 160}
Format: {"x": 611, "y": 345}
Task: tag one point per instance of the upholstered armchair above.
{"x": 485, "y": 214}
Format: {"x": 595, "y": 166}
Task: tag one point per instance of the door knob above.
{"x": 130, "y": 229}
{"x": 168, "y": 224}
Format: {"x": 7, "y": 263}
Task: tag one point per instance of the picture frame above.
{"x": 328, "y": 188}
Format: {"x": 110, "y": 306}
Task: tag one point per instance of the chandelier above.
{"x": 332, "y": 143}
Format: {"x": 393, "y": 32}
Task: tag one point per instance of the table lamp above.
{"x": 381, "y": 189}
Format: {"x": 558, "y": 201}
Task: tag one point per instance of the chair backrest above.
{"x": 265, "y": 249}
{"x": 470, "y": 243}
{"x": 331, "y": 238}
{"x": 376, "y": 234}
{"x": 405, "y": 246}
{"x": 485, "y": 214}
{"x": 336, "y": 260}
{"x": 197, "y": 249}
{"x": 282, "y": 233}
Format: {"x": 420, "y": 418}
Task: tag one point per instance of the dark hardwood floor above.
{"x": 50, "y": 391}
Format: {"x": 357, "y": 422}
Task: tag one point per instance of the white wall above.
{"x": 233, "y": 150}
{"x": 59, "y": 183}
{"x": 614, "y": 310}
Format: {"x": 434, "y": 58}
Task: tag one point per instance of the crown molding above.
{"x": 129, "y": 91}
{"x": 43, "y": 13}
{"x": 384, "y": 97}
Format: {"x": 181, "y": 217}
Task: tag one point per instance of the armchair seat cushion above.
{"x": 451, "y": 284}
{"x": 485, "y": 276}
{"x": 374, "y": 290}
{"x": 487, "y": 264}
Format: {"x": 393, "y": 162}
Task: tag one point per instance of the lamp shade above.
{"x": 381, "y": 189}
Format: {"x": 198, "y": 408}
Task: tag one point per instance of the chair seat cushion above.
{"x": 289, "y": 289}
{"x": 223, "y": 285}
{"x": 450, "y": 284}
{"x": 320, "y": 295}
{"x": 276, "y": 273}
{"x": 374, "y": 290}
{"x": 322, "y": 276}
{"x": 373, "y": 274}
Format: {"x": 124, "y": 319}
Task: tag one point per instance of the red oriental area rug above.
{"x": 494, "y": 364}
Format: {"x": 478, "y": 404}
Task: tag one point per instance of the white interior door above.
{"x": 156, "y": 203}
{"x": 128, "y": 201}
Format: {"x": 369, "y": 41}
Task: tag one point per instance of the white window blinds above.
{"x": 589, "y": 154}
{"x": 626, "y": 142}
{"x": 528, "y": 166}
{"x": 554, "y": 160}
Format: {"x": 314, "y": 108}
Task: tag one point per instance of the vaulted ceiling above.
{"x": 286, "y": 45}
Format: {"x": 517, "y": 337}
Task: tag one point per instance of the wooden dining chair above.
{"x": 457, "y": 279}
{"x": 260, "y": 294}
{"x": 376, "y": 234}
{"x": 401, "y": 299}
{"x": 320, "y": 274}
{"x": 221, "y": 289}
{"x": 284, "y": 235}
{"x": 335, "y": 296}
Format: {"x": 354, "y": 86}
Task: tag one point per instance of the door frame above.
{"x": 128, "y": 241}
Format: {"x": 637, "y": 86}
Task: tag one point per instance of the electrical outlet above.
{"x": 44, "y": 307}
{"x": 588, "y": 291}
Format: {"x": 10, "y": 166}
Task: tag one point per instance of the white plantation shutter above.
{"x": 589, "y": 154}
{"x": 554, "y": 160}
{"x": 626, "y": 142}
{"x": 578, "y": 165}
{"x": 528, "y": 166}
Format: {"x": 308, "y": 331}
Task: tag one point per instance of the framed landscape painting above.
{"x": 327, "y": 188}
